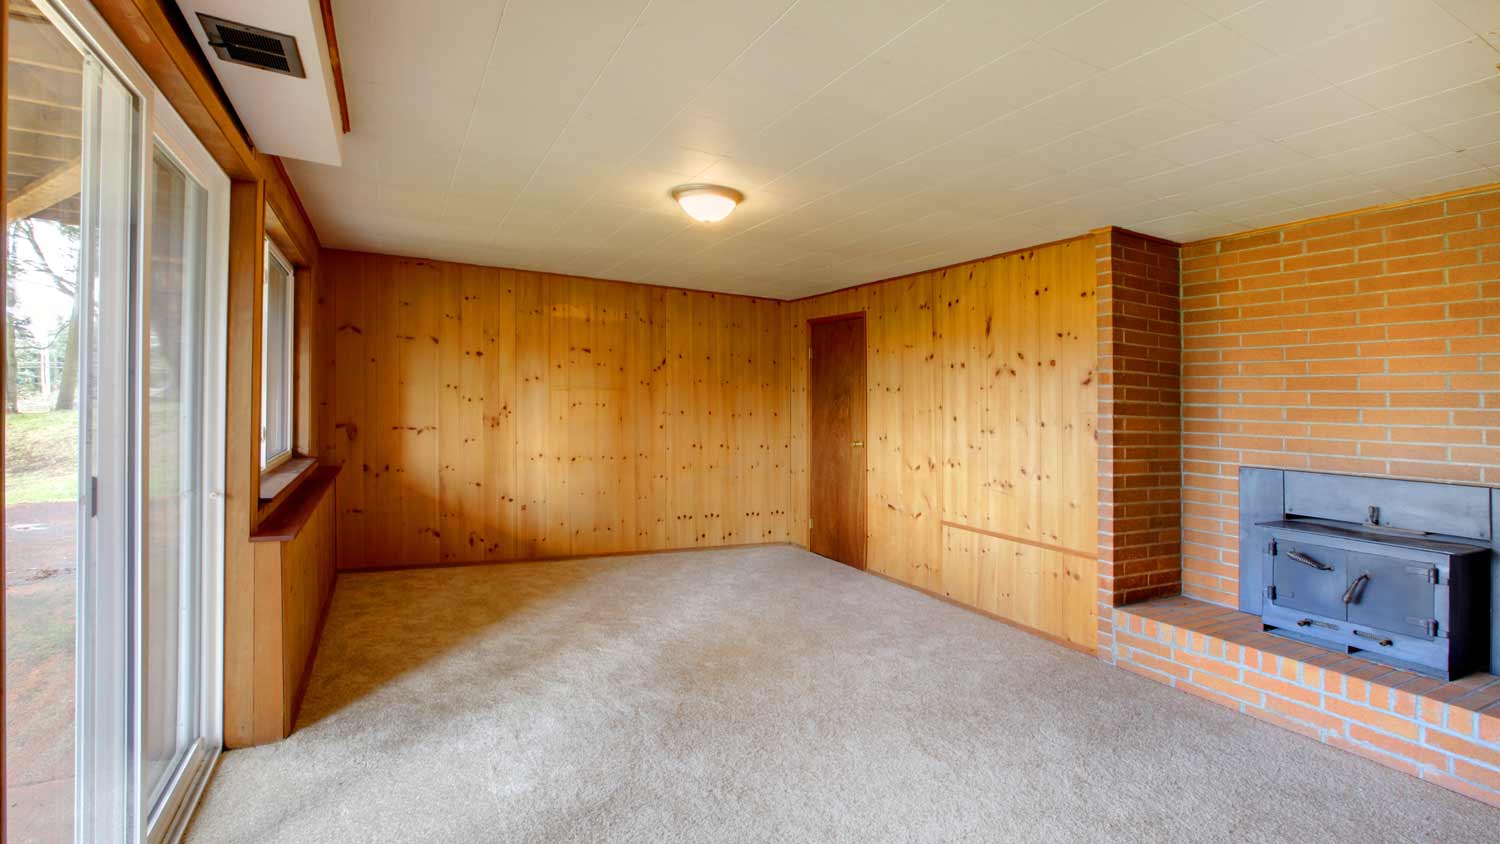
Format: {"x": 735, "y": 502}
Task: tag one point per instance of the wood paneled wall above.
{"x": 982, "y": 416}
{"x": 294, "y": 577}
{"x": 487, "y": 414}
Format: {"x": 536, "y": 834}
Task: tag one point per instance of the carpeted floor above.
{"x": 764, "y": 695}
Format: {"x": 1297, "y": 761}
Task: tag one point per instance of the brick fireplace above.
{"x": 1365, "y": 343}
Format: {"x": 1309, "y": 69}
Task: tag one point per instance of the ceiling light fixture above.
{"x": 707, "y": 203}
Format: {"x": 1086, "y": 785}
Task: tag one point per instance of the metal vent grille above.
{"x": 250, "y": 45}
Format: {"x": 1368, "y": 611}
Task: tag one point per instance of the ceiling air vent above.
{"x": 244, "y": 44}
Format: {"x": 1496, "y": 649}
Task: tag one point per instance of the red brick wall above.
{"x": 1445, "y": 733}
{"x": 1366, "y": 343}
{"x": 1139, "y": 440}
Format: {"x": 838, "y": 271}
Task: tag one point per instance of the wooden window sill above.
{"x": 274, "y": 482}
{"x": 284, "y": 519}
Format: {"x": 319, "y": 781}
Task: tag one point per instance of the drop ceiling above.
{"x": 876, "y": 139}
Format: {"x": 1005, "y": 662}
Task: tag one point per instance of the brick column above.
{"x": 1140, "y": 431}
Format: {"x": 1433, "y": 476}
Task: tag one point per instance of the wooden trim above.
{"x": 1008, "y": 252}
{"x": 1385, "y": 206}
{"x": 304, "y": 362}
{"x": 563, "y": 558}
{"x": 242, "y": 439}
{"x": 1057, "y": 640}
{"x": 1072, "y": 552}
{"x": 286, "y": 518}
{"x": 836, "y": 318}
{"x": 333, "y": 59}
{"x": 301, "y": 245}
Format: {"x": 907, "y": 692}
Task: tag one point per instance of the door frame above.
{"x": 862, "y": 316}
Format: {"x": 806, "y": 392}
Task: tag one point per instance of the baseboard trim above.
{"x": 1092, "y": 650}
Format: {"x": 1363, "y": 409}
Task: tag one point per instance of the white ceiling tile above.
{"x": 1412, "y": 29}
{"x": 761, "y": 85}
{"x": 1331, "y": 189}
{"x": 1315, "y": 110}
{"x": 1117, "y": 31}
{"x": 1276, "y": 81}
{"x": 1206, "y": 56}
{"x": 1482, "y": 16}
{"x": 1253, "y": 207}
{"x": 1221, "y": 8}
{"x": 1450, "y": 67}
{"x": 1258, "y": 158}
{"x": 1486, "y": 154}
{"x": 1019, "y": 78}
{"x": 1289, "y": 25}
{"x": 1390, "y": 152}
{"x": 1348, "y": 134}
{"x": 1094, "y": 100}
{"x": 1081, "y": 149}
{"x": 1411, "y": 174}
{"x": 1375, "y": 196}
{"x": 677, "y": 160}
{"x": 1291, "y": 177}
{"x": 1463, "y": 103}
{"x": 1468, "y": 133}
{"x": 1135, "y": 164}
{"x": 1209, "y": 142}
{"x": 1457, "y": 180}
{"x": 1179, "y": 226}
{"x": 1109, "y": 201}
{"x": 1155, "y": 123}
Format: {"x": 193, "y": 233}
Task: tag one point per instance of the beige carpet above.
{"x": 764, "y": 695}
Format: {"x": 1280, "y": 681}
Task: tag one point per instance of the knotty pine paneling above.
{"x": 487, "y": 414}
{"x": 982, "y": 416}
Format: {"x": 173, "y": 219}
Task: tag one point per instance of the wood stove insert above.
{"x": 1411, "y": 589}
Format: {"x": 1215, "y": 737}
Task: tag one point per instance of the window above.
{"x": 276, "y": 359}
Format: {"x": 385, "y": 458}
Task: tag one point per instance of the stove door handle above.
{"x": 1309, "y": 561}
{"x": 1379, "y": 640}
{"x": 1352, "y": 592}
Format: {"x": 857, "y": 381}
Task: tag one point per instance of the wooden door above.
{"x": 836, "y": 385}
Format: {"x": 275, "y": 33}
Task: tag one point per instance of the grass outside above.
{"x": 41, "y": 457}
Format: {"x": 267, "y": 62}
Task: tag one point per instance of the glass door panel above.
{"x": 46, "y": 306}
{"x": 171, "y": 615}
{"x": 70, "y": 221}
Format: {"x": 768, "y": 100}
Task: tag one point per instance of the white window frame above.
{"x": 270, "y": 461}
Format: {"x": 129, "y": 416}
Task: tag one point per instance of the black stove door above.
{"x": 1309, "y": 578}
{"x": 1394, "y": 595}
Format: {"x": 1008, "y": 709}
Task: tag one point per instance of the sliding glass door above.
{"x": 70, "y": 219}
{"x": 181, "y": 588}
{"x": 116, "y": 226}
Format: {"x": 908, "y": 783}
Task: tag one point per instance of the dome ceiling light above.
{"x": 707, "y": 203}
